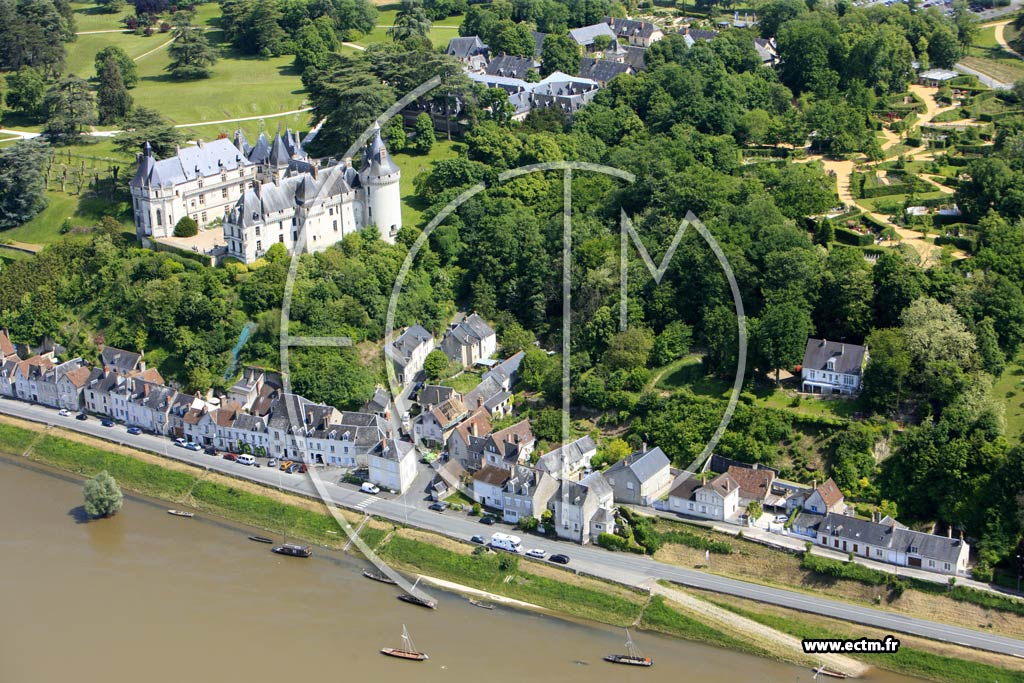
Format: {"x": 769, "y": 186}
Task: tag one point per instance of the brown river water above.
{"x": 146, "y": 596}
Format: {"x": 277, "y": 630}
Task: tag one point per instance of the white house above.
{"x": 832, "y": 367}
{"x": 488, "y": 484}
{"x": 583, "y": 510}
{"x": 469, "y": 340}
{"x": 526, "y": 494}
{"x": 408, "y": 352}
{"x": 891, "y": 542}
{"x": 568, "y": 461}
{"x": 718, "y": 499}
{"x": 393, "y": 466}
{"x": 641, "y": 478}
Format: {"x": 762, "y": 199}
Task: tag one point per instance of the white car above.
{"x": 536, "y": 552}
{"x": 367, "y": 487}
{"x": 272, "y": 462}
{"x": 180, "y": 442}
{"x": 63, "y": 412}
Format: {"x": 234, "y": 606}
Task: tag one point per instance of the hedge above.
{"x": 854, "y": 238}
{"x": 968, "y": 244}
{"x": 845, "y": 570}
{"x": 886, "y": 190}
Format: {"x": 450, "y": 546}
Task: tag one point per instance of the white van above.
{"x": 246, "y": 460}
{"x": 367, "y": 487}
{"x": 512, "y": 544}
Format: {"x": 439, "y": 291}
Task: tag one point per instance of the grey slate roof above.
{"x": 573, "y": 453}
{"x": 626, "y": 28}
{"x": 205, "y": 159}
{"x": 400, "y": 351}
{"x": 602, "y": 70}
{"x": 857, "y": 530}
{"x": 470, "y": 330}
{"x": 930, "y": 546}
{"x": 434, "y": 394}
{"x": 279, "y": 154}
{"x": 538, "y": 43}
{"x": 511, "y": 66}
{"x": 482, "y": 393}
{"x": 506, "y": 371}
{"x": 585, "y": 35}
{"x": 699, "y": 34}
{"x": 644, "y": 465}
{"x": 376, "y": 160}
{"x": 635, "y": 57}
{"x": 848, "y": 357}
{"x": 466, "y": 47}
{"x": 118, "y": 359}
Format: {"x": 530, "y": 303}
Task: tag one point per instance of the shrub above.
{"x": 186, "y": 227}
{"x": 103, "y": 496}
{"x": 476, "y": 510}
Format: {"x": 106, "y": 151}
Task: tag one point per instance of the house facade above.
{"x": 408, "y": 352}
{"x": 488, "y": 484}
{"x": 641, "y": 478}
{"x": 831, "y": 367}
{"x": 583, "y": 509}
{"x": 719, "y": 499}
{"x": 393, "y": 466}
{"x": 526, "y": 494}
{"x": 469, "y": 340}
{"x": 890, "y": 542}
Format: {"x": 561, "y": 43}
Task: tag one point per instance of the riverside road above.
{"x": 635, "y": 570}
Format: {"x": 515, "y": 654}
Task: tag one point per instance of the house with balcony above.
{"x": 831, "y": 367}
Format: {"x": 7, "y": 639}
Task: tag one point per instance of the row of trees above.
{"x": 273, "y": 27}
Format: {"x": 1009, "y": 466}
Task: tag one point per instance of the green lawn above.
{"x": 90, "y": 17}
{"x": 464, "y": 383}
{"x": 412, "y": 165}
{"x": 1009, "y": 390}
{"x": 989, "y": 57}
{"x": 440, "y": 33}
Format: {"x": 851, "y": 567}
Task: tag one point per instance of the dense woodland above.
{"x": 938, "y": 336}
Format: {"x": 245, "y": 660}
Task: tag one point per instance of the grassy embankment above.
{"x": 988, "y": 56}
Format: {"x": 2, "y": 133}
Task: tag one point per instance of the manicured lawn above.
{"x": 464, "y": 383}
{"x": 252, "y": 129}
{"x": 90, "y": 17}
{"x": 440, "y": 33}
{"x": 414, "y": 164}
{"x": 989, "y": 57}
{"x": 689, "y": 373}
{"x": 82, "y": 52}
{"x": 1009, "y": 389}
{"x": 83, "y": 212}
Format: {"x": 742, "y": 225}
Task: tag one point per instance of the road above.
{"x": 626, "y": 568}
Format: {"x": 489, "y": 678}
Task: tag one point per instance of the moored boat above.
{"x": 407, "y": 651}
{"x": 379, "y": 576}
{"x": 181, "y": 513}
{"x": 261, "y": 539}
{"x": 633, "y": 658}
{"x": 822, "y": 671}
{"x": 412, "y": 598}
{"x": 292, "y": 550}
{"x": 482, "y": 605}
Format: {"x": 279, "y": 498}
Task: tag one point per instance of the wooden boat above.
{"x": 181, "y": 513}
{"x": 407, "y": 651}
{"x": 822, "y": 671}
{"x": 482, "y": 605}
{"x": 633, "y": 658}
{"x": 414, "y": 599}
{"x": 379, "y": 576}
{"x": 261, "y": 539}
{"x": 292, "y": 550}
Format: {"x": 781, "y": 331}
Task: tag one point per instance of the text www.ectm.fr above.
{"x": 839, "y": 645}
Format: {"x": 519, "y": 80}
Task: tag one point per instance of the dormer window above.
{"x": 831, "y": 364}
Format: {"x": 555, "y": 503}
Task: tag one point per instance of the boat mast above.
{"x": 630, "y": 646}
{"x": 407, "y": 640}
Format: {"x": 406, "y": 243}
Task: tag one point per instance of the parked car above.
{"x": 210, "y": 450}
{"x": 193, "y": 446}
{"x": 302, "y": 468}
{"x": 478, "y": 539}
{"x": 272, "y": 462}
{"x": 81, "y": 416}
{"x": 134, "y": 430}
{"x": 293, "y": 467}
{"x": 286, "y": 465}
{"x": 536, "y": 552}
{"x": 180, "y": 442}
{"x": 367, "y": 487}
{"x": 781, "y": 519}
{"x": 63, "y": 412}
{"x": 559, "y": 559}
{"x": 107, "y": 423}
{"x": 487, "y": 519}
{"x": 439, "y": 506}
{"x": 231, "y": 456}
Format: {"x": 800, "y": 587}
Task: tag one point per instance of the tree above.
{"x": 22, "y": 181}
{"x": 495, "y": 102}
{"x": 673, "y": 343}
{"x": 186, "y": 227}
{"x": 943, "y": 48}
{"x": 313, "y": 43}
{"x": 897, "y": 283}
{"x": 103, "y": 497}
{"x": 559, "y": 53}
{"x": 410, "y": 22}
{"x": 129, "y": 71}
{"x": 147, "y": 125}
{"x": 33, "y": 33}
{"x": 113, "y": 101}
{"x": 26, "y": 91}
{"x": 516, "y": 338}
{"x": 934, "y": 331}
{"x": 629, "y": 349}
{"x": 754, "y": 510}
{"x": 514, "y": 39}
{"x": 779, "y": 336}
{"x": 191, "y": 54}
{"x": 394, "y": 134}
{"x": 435, "y": 364}
{"x": 773, "y": 15}
{"x": 547, "y": 424}
{"x": 423, "y": 134}
{"x": 353, "y": 97}
{"x": 70, "y": 107}
{"x": 800, "y": 189}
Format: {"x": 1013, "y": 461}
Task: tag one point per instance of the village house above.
{"x": 471, "y": 52}
{"x": 602, "y": 70}
{"x": 408, "y": 352}
{"x": 150, "y": 406}
{"x": 831, "y": 367}
{"x": 636, "y": 33}
{"x": 393, "y": 465}
{"x": 28, "y": 377}
{"x": 509, "y": 447}
{"x": 767, "y": 50}
{"x": 891, "y": 542}
{"x": 510, "y": 66}
{"x": 641, "y": 478}
{"x": 379, "y": 404}
{"x": 585, "y": 36}
{"x": 719, "y": 499}
{"x": 526, "y": 494}
{"x": 433, "y": 395}
{"x": 506, "y": 372}
{"x": 825, "y": 499}
{"x": 469, "y": 340}
{"x": 466, "y": 441}
{"x": 569, "y": 461}
{"x": 490, "y": 396}
{"x": 255, "y": 387}
{"x": 434, "y": 426}
{"x": 488, "y": 483}
{"x": 583, "y": 510}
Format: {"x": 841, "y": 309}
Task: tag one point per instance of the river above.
{"x": 148, "y": 596}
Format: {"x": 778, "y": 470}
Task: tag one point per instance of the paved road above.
{"x": 623, "y": 567}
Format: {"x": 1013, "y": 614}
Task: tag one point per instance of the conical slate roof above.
{"x": 376, "y": 160}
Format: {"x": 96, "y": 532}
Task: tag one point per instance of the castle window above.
{"x": 200, "y": 181}
{"x": 224, "y": 177}
{"x": 280, "y": 238}
{"x": 335, "y": 225}
{"x": 295, "y": 236}
{"x": 224, "y": 193}
{"x": 330, "y": 211}
{"x": 257, "y": 231}
{"x": 241, "y": 173}
{"x": 259, "y": 246}
{"x": 159, "y": 218}
{"x": 204, "y": 216}
{"x": 202, "y": 199}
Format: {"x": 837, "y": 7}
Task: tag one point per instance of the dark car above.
{"x": 134, "y": 430}
{"x": 559, "y": 559}
{"x": 107, "y": 423}
{"x": 477, "y": 539}
{"x": 487, "y": 519}
{"x": 231, "y": 456}
{"x": 439, "y": 506}
{"x": 81, "y": 416}
{"x": 210, "y": 450}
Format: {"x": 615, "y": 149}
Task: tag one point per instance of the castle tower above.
{"x": 378, "y": 179}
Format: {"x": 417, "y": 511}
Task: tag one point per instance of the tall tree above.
{"x": 410, "y": 22}
{"x": 129, "y": 71}
{"x": 353, "y": 97}
{"x": 147, "y": 125}
{"x": 779, "y": 336}
{"x": 897, "y": 284}
{"x": 560, "y": 53}
{"x": 22, "y": 181}
{"x": 26, "y": 91}
{"x": 103, "y": 496}
{"x": 113, "y": 100}
{"x": 70, "y": 107}
{"x": 191, "y": 54}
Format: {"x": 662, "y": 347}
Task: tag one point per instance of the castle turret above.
{"x": 379, "y": 178}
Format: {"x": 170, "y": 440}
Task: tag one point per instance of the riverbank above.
{"x": 553, "y": 589}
